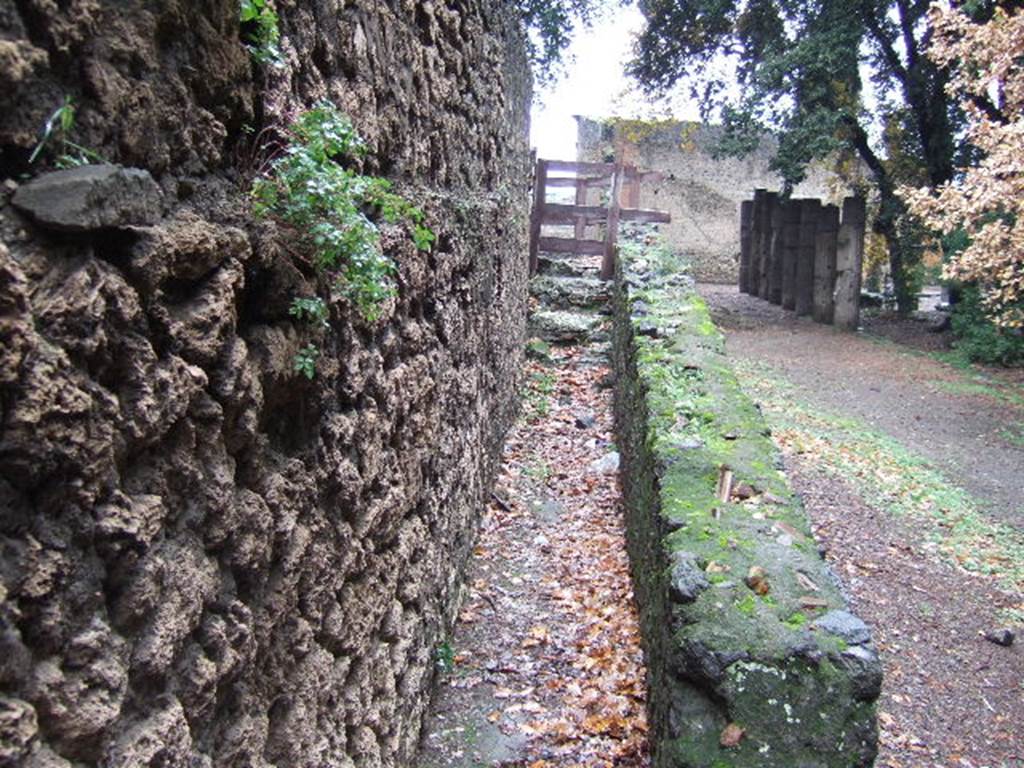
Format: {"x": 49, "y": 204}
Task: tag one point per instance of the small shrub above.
{"x": 305, "y": 360}
{"x": 981, "y": 340}
{"x": 331, "y": 212}
{"x": 313, "y": 310}
{"x": 260, "y": 30}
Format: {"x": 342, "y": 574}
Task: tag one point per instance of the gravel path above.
{"x": 969, "y": 425}
{"x": 951, "y": 698}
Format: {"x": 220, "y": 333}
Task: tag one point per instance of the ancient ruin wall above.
{"x": 206, "y": 559}
{"x": 702, "y": 192}
{"x": 753, "y": 659}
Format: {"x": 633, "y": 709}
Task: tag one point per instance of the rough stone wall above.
{"x": 703, "y": 193}
{"x": 206, "y": 559}
{"x": 753, "y": 660}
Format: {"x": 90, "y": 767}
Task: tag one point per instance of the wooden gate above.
{"x": 621, "y": 181}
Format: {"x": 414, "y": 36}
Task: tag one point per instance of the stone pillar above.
{"x": 825, "y": 264}
{"x": 746, "y": 224}
{"x": 849, "y": 261}
{"x": 790, "y": 249}
{"x": 810, "y": 210}
{"x": 774, "y": 242}
{"x": 757, "y": 236}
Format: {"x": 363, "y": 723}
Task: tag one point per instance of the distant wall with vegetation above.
{"x": 703, "y": 192}
{"x": 753, "y": 658}
{"x": 208, "y": 555}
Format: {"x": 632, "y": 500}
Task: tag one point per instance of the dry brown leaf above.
{"x": 731, "y": 736}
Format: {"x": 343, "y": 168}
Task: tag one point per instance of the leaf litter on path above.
{"x": 548, "y": 665}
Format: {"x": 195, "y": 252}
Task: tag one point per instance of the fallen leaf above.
{"x": 731, "y": 735}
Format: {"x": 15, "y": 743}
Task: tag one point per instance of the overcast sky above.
{"x": 594, "y": 86}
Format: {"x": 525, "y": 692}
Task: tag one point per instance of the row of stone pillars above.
{"x": 803, "y": 255}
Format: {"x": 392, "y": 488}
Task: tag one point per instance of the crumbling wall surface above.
{"x": 205, "y": 558}
{"x": 701, "y": 189}
{"x": 753, "y": 658}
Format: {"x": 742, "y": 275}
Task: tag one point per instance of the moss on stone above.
{"x": 682, "y": 418}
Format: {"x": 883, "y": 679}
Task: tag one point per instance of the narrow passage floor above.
{"x": 545, "y": 667}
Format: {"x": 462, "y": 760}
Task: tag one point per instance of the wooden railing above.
{"x": 621, "y": 181}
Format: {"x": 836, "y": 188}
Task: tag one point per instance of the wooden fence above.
{"x": 804, "y": 256}
{"x": 623, "y": 185}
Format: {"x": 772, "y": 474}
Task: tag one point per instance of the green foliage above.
{"x": 797, "y": 69}
{"x": 981, "y": 340}
{"x": 312, "y": 309}
{"x": 539, "y": 387}
{"x": 305, "y": 360}
{"x": 331, "y": 211}
{"x": 56, "y": 136}
{"x": 444, "y": 656}
{"x": 261, "y": 31}
{"x": 551, "y": 24}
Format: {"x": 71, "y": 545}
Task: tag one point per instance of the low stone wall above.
{"x": 753, "y": 659}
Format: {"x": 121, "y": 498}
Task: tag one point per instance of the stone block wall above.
{"x": 753, "y": 659}
{"x": 205, "y": 558}
{"x": 702, "y": 192}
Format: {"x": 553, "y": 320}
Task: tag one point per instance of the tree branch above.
{"x": 883, "y": 41}
{"x": 986, "y": 105}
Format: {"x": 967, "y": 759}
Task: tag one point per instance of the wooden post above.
{"x": 580, "y": 230}
{"x": 540, "y": 181}
{"x": 790, "y": 249}
{"x": 746, "y": 215}
{"x": 825, "y": 264}
{"x": 849, "y": 262}
{"x": 756, "y": 237}
{"x": 778, "y": 242}
{"x": 612, "y": 233}
{"x": 769, "y": 212}
{"x": 810, "y": 210}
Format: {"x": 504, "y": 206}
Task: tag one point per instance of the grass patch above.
{"x": 892, "y": 478}
{"x": 540, "y": 385}
{"x": 981, "y": 387}
{"x": 978, "y": 382}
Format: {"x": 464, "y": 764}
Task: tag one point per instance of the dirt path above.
{"x": 970, "y": 425}
{"x": 906, "y": 466}
{"x": 545, "y": 667}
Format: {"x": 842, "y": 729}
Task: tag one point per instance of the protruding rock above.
{"x": 563, "y": 327}
{"x": 18, "y": 727}
{"x": 1003, "y": 637}
{"x": 845, "y": 625}
{"x": 687, "y": 580}
{"x": 91, "y": 197}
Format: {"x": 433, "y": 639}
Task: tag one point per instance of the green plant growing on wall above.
{"x": 305, "y": 360}
{"x": 314, "y": 310}
{"x": 56, "y": 135}
{"x": 260, "y": 30}
{"x": 332, "y": 211}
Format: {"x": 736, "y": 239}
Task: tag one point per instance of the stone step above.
{"x": 562, "y": 327}
{"x": 565, "y": 266}
{"x": 570, "y": 292}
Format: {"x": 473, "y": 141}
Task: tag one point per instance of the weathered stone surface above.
{"x": 568, "y": 292}
{"x": 562, "y": 327}
{"x": 743, "y": 625}
{"x": 687, "y": 580}
{"x": 90, "y": 197}
{"x": 845, "y": 625}
{"x": 208, "y": 560}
